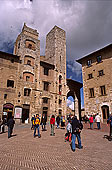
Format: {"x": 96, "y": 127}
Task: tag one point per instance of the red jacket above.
{"x": 91, "y": 119}
{"x": 52, "y": 121}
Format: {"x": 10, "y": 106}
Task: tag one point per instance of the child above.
{"x": 69, "y": 130}
{"x": 52, "y": 123}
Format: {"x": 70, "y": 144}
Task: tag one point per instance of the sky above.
{"x": 88, "y": 26}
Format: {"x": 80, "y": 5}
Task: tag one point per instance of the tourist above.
{"x": 0, "y": 125}
{"x": 91, "y": 121}
{"x": 10, "y": 125}
{"x": 52, "y": 123}
{"x": 43, "y": 122}
{"x": 3, "y": 123}
{"x": 36, "y": 125}
{"x": 69, "y": 130}
{"x": 98, "y": 119}
{"x": 76, "y": 130}
{"x": 109, "y": 121}
{"x": 32, "y": 120}
{"x": 58, "y": 121}
{"x": 62, "y": 121}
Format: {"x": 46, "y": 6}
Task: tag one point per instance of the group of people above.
{"x": 74, "y": 127}
{"x": 36, "y": 124}
{"x": 97, "y": 119}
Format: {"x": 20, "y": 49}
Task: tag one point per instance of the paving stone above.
{"x": 24, "y": 152}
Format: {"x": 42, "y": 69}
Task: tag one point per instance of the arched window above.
{"x": 29, "y": 60}
{"x": 27, "y": 76}
{"x": 30, "y": 44}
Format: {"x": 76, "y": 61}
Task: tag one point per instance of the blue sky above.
{"x": 88, "y": 25}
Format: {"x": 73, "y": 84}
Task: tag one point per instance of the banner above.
{"x": 18, "y": 112}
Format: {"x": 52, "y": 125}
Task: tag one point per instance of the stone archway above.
{"x": 74, "y": 91}
{"x": 105, "y": 112}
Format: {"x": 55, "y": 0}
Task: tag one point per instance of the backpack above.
{"x": 37, "y": 121}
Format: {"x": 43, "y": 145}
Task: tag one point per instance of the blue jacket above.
{"x": 110, "y": 120}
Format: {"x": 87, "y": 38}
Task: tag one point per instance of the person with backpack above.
{"x": 76, "y": 130}
{"x": 36, "y": 125}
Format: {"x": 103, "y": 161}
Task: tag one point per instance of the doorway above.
{"x": 7, "y": 111}
{"x": 45, "y": 111}
{"x": 105, "y": 112}
{"x": 25, "y": 112}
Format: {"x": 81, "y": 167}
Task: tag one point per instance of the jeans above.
{"x": 91, "y": 125}
{"x": 9, "y": 131}
{"x": 36, "y": 127}
{"x": 73, "y": 140}
{"x": 52, "y": 129}
{"x": 98, "y": 125}
{"x": 110, "y": 130}
{"x": 43, "y": 126}
{"x": 57, "y": 125}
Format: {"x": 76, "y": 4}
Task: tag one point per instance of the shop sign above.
{"x": 18, "y": 112}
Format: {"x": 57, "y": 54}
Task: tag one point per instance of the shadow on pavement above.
{"x": 108, "y": 137}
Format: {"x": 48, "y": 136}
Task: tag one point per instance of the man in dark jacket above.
{"x": 32, "y": 120}
{"x": 43, "y": 122}
{"x": 76, "y": 129}
{"x": 10, "y": 125}
{"x": 109, "y": 121}
{"x": 58, "y": 121}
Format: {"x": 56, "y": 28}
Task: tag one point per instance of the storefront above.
{"x": 8, "y": 110}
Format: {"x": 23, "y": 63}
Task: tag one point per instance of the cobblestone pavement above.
{"x": 23, "y": 152}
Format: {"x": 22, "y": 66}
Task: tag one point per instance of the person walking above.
{"x": 109, "y": 121}
{"x": 52, "y": 123}
{"x": 36, "y": 125}
{"x": 43, "y": 122}
{"x": 10, "y": 125}
{"x": 76, "y": 130}
{"x": 58, "y": 121}
{"x": 32, "y": 120}
{"x": 98, "y": 119}
{"x": 69, "y": 130}
{"x": 91, "y": 121}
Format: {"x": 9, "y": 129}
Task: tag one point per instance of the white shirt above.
{"x": 97, "y": 118}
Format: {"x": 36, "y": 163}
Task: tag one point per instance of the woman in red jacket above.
{"x": 52, "y": 123}
{"x": 91, "y": 122}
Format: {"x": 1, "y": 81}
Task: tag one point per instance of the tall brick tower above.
{"x": 27, "y": 46}
{"x": 56, "y": 54}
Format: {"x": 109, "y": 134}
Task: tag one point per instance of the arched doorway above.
{"x": 105, "y": 112}
{"x": 8, "y": 110}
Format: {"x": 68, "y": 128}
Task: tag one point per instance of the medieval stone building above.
{"x": 97, "y": 82}
{"x": 31, "y": 83}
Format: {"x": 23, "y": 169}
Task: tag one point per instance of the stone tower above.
{"x": 56, "y": 54}
{"x": 27, "y": 46}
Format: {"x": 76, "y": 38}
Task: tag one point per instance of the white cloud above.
{"x": 70, "y": 104}
{"x": 87, "y": 23}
